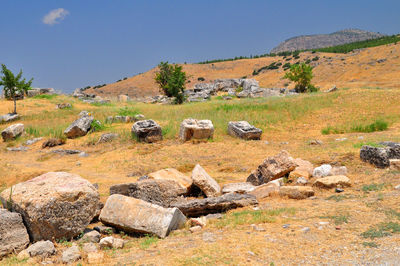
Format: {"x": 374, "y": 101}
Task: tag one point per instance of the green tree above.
{"x": 13, "y": 84}
{"x": 302, "y": 75}
{"x": 171, "y": 80}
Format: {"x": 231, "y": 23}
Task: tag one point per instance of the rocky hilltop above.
{"x": 305, "y": 42}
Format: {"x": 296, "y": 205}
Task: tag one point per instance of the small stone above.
{"x": 23, "y": 255}
{"x": 394, "y": 164}
{"x": 32, "y": 141}
{"x": 341, "y": 170}
{"x": 286, "y": 226}
{"x": 89, "y": 247}
{"x": 323, "y": 223}
{"x": 256, "y": 228}
{"x": 332, "y": 181}
{"x": 296, "y": 192}
{"x": 92, "y": 236}
{"x": 105, "y": 230}
{"x": 83, "y": 154}
{"x": 323, "y": 170}
{"x": 214, "y": 216}
{"x": 194, "y": 229}
{"x": 339, "y": 190}
{"x": 111, "y": 242}
{"x": 301, "y": 181}
{"x": 251, "y": 253}
{"x": 42, "y": 248}
{"x": 341, "y": 139}
{"x": 315, "y": 142}
{"x": 71, "y": 254}
{"x": 397, "y": 187}
{"x": 201, "y": 221}
{"x": 337, "y": 228}
{"x": 305, "y": 229}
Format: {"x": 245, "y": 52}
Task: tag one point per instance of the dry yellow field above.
{"x": 288, "y": 123}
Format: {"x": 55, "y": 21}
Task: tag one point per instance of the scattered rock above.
{"x": 84, "y": 113}
{"x": 23, "y": 255}
{"x": 208, "y": 237}
{"x": 304, "y": 169}
{"x": 79, "y": 127}
{"x": 315, "y": 142}
{"x": 334, "y": 88}
{"x": 12, "y": 132}
{"x": 198, "y": 207}
{"x": 394, "y": 164}
{"x": 301, "y": 181}
{"x": 305, "y": 229}
{"x": 89, "y": 247}
{"x": 205, "y": 182}
{"x": 241, "y": 188}
{"x": 65, "y": 203}
{"x": 214, "y": 216}
{"x": 138, "y": 216}
{"x": 397, "y": 187}
{"x": 71, "y": 254}
{"x": 63, "y": 106}
{"x": 9, "y": 118}
{"x": 105, "y": 230}
{"x": 111, "y": 242}
{"x": 341, "y": 139}
{"x": 66, "y": 152}
{"x": 20, "y": 148}
{"x": 83, "y": 154}
{"x": 296, "y": 192}
{"x": 92, "y": 236}
{"x": 194, "y": 229}
{"x": 338, "y": 170}
{"x": 272, "y": 168}
{"x": 196, "y": 129}
{"x": 41, "y": 248}
{"x": 107, "y": 137}
{"x": 332, "y": 181}
{"x": 139, "y": 117}
{"x": 174, "y": 175}
{"x": 160, "y": 192}
{"x": 339, "y": 190}
{"x": 243, "y": 130}
{"x": 256, "y": 228}
{"x": 201, "y": 221}
{"x": 13, "y": 234}
{"x": 265, "y": 190}
{"x": 147, "y": 131}
{"x": 32, "y": 141}
{"x": 323, "y": 170}
{"x": 53, "y": 142}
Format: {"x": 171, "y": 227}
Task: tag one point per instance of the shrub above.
{"x": 171, "y": 80}
{"x": 302, "y": 75}
{"x": 378, "y": 125}
{"x": 128, "y": 111}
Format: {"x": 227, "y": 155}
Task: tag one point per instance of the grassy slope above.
{"x": 295, "y": 120}
{"x": 352, "y": 70}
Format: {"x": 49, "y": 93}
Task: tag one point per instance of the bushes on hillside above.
{"x": 171, "y": 80}
{"x": 302, "y": 75}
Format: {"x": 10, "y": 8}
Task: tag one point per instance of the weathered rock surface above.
{"x": 111, "y": 242}
{"x": 33, "y": 141}
{"x": 52, "y": 143}
{"x": 92, "y": 236}
{"x": 338, "y": 170}
{"x": 394, "y": 164}
{"x": 196, "y": 129}
{"x": 272, "y": 168}
{"x": 380, "y": 156}
{"x": 205, "y": 182}
{"x": 160, "y": 192}
{"x": 8, "y": 118}
{"x": 107, "y": 137}
{"x": 54, "y": 205}
{"x": 243, "y": 130}
{"x": 71, "y": 254}
{"x": 147, "y": 131}
{"x": 304, "y": 169}
{"x": 198, "y": 207}
{"x": 63, "y": 105}
{"x": 13, "y": 234}
{"x": 332, "y": 181}
{"x": 12, "y": 132}
{"x": 241, "y": 188}
{"x": 265, "y": 190}
{"x": 79, "y": 127}
{"x": 323, "y": 170}
{"x": 41, "y": 248}
{"x": 174, "y": 175}
{"x": 135, "y": 215}
{"x": 296, "y": 192}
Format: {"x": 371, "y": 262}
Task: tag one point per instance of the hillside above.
{"x": 306, "y": 42}
{"x": 370, "y": 67}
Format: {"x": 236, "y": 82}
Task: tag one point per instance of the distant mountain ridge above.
{"x": 305, "y": 42}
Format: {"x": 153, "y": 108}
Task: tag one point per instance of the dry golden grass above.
{"x": 354, "y": 70}
{"x": 295, "y": 120}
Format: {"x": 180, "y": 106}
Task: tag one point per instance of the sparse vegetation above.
{"x": 378, "y": 125}
{"x": 171, "y": 80}
{"x": 147, "y": 241}
{"x": 382, "y": 230}
{"x": 302, "y": 75}
{"x": 373, "y": 187}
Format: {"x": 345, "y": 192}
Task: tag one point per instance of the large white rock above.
{"x": 173, "y": 174}
{"x": 243, "y": 130}
{"x": 137, "y": 216}
{"x": 147, "y": 131}
{"x": 323, "y": 170}
{"x": 13, "y": 234}
{"x": 79, "y": 127}
{"x": 12, "y": 132}
{"x": 54, "y": 205}
{"x": 196, "y": 129}
{"x": 205, "y": 182}
{"x": 9, "y": 117}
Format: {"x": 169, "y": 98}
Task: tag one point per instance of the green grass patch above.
{"x": 370, "y": 244}
{"x": 41, "y": 131}
{"x": 252, "y": 217}
{"x": 338, "y": 198}
{"x": 382, "y": 230}
{"x": 97, "y": 126}
{"x": 100, "y": 104}
{"x": 372, "y": 144}
{"x": 378, "y": 125}
{"x": 337, "y": 219}
{"x": 147, "y": 241}
{"x": 128, "y": 111}
{"x": 373, "y": 187}
{"x": 45, "y": 96}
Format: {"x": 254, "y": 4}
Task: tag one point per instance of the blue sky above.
{"x": 101, "y": 41}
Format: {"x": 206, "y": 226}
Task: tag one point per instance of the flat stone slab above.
{"x": 241, "y": 188}
{"x": 147, "y": 131}
{"x": 174, "y": 175}
{"x": 198, "y": 207}
{"x": 137, "y": 216}
{"x": 196, "y": 129}
{"x": 205, "y": 182}
{"x": 13, "y": 234}
{"x": 296, "y": 192}
{"x": 332, "y": 181}
{"x": 243, "y": 130}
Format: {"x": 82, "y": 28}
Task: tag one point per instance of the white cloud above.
{"x": 55, "y": 16}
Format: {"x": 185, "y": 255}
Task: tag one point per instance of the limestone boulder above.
{"x": 296, "y": 192}
{"x": 332, "y": 181}
{"x": 272, "y": 168}
{"x": 41, "y": 248}
{"x": 137, "y": 216}
{"x": 54, "y": 205}
{"x": 198, "y": 207}
{"x": 71, "y": 254}
{"x": 380, "y": 156}
{"x": 12, "y": 132}
{"x": 265, "y": 190}
{"x": 79, "y": 127}
{"x": 107, "y": 137}
{"x": 9, "y": 118}
{"x": 205, "y": 182}
{"x": 323, "y": 170}
{"x": 196, "y": 129}
{"x": 174, "y": 175}
{"x": 243, "y": 130}
{"x": 147, "y": 131}
{"x": 160, "y": 192}
{"x": 241, "y": 188}
{"x": 304, "y": 169}
{"x": 13, "y": 234}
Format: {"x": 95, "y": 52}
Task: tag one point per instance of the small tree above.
{"x": 171, "y": 80}
{"x": 13, "y": 84}
{"x": 302, "y": 75}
